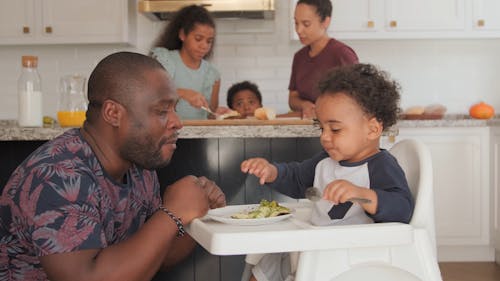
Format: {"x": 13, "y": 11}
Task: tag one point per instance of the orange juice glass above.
{"x": 71, "y": 118}
{"x": 72, "y": 103}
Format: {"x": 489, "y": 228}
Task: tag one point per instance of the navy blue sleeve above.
{"x": 294, "y": 177}
{"x": 388, "y": 180}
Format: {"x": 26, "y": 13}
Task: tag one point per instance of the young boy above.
{"x": 244, "y": 97}
{"x": 357, "y": 103}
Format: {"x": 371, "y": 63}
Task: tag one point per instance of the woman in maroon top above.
{"x": 320, "y": 53}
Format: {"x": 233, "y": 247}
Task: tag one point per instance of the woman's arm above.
{"x": 296, "y": 103}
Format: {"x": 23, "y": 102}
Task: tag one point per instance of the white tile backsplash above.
{"x": 256, "y": 73}
{"x": 456, "y": 73}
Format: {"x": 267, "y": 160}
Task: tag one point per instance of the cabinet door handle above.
{"x": 370, "y": 24}
{"x": 480, "y": 23}
{"x": 393, "y": 23}
{"x": 48, "y": 29}
{"x": 26, "y": 29}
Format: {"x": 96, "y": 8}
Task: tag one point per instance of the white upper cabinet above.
{"x": 351, "y": 18}
{"x": 63, "y": 21}
{"x": 17, "y": 18}
{"x": 399, "y": 19}
{"x": 486, "y": 17}
{"x": 356, "y": 16}
{"x": 425, "y": 15}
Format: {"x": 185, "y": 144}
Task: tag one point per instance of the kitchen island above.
{"x": 462, "y": 149}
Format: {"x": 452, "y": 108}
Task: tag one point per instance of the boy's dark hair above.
{"x": 245, "y": 85}
{"x": 370, "y": 87}
{"x": 185, "y": 19}
{"x": 323, "y": 7}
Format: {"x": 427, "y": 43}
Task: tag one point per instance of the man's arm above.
{"x": 140, "y": 256}
{"x": 183, "y": 246}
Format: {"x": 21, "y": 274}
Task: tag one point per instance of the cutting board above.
{"x": 248, "y": 122}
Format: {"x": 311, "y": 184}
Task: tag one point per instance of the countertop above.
{"x": 10, "y": 131}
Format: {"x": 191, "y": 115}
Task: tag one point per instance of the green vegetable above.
{"x": 266, "y": 209}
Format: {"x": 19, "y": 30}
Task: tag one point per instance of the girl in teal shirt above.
{"x": 183, "y": 49}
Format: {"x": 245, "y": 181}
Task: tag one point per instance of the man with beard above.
{"x": 87, "y": 205}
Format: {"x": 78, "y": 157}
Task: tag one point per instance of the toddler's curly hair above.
{"x": 371, "y": 88}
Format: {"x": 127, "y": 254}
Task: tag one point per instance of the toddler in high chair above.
{"x": 356, "y": 104}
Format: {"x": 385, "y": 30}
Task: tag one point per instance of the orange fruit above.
{"x": 481, "y": 111}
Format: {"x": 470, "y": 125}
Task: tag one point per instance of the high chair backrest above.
{"x": 415, "y": 159}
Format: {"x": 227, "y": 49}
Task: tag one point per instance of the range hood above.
{"x": 254, "y": 9}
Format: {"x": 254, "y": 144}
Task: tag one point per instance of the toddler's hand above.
{"x": 339, "y": 191}
{"x": 261, "y": 168}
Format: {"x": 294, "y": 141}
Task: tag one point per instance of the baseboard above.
{"x": 466, "y": 253}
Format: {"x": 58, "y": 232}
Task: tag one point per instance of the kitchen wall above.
{"x": 456, "y": 73}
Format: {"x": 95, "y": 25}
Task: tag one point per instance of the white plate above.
{"x": 224, "y": 215}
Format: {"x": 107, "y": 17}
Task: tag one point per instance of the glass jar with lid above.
{"x": 30, "y": 94}
{"x": 72, "y": 101}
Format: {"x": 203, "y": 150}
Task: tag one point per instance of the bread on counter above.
{"x": 265, "y": 113}
{"x": 433, "y": 111}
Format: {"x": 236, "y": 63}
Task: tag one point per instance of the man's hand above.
{"x": 216, "y": 197}
{"x": 186, "y": 198}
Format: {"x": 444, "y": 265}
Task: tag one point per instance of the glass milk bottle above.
{"x": 72, "y": 102}
{"x": 30, "y": 94}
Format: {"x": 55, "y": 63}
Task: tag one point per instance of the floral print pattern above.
{"x": 61, "y": 200}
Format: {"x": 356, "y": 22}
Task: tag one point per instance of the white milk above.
{"x": 30, "y": 109}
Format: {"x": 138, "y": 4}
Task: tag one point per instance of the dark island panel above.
{"x": 12, "y": 154}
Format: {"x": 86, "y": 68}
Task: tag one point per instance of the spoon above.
{"x": 314, "y": 194}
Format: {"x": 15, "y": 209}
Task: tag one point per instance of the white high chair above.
{"x": 404, "y": 254}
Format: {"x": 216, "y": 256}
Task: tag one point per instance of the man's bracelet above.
{"x": 177, "y": 221}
